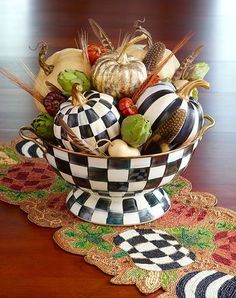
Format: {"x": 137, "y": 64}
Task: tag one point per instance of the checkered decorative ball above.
{"x": 154, "y": 250}
{"x": 97, "y": 119}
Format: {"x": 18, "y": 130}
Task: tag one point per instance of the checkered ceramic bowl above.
{"x": 118, "y": 191}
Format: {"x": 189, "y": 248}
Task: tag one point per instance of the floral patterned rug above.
{"x": 190, "y": 252}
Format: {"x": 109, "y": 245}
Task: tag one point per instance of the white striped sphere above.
{"x": 208, "y": 284}
{"x": 158, "y": 102}
{"x": 97, "y": 119}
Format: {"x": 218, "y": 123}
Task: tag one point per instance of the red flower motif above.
{"x": 226, "y": 248}
{"x": 180, "y": 214}
{"x": 29, "y": 176}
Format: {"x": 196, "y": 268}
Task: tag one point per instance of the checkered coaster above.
{"x": 154, "y": 250}
{"x": 119, "y": 176}
{"x": 97, "y": 119}
{"x": 118, "y": 211}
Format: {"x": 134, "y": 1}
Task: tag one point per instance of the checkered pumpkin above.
{"x": 97, "y": 119}
{"x": 159, "y": 102}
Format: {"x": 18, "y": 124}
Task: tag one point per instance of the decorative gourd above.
{"x": 92, "y": 116}
{"x": 118, "y": 74}
{"x": 119, "y": 148}
{"x": 170, "y": 67}
{"x": 160, "y": 102}
{"x": 138, "y": 51}
{"x": 69, "y": 58}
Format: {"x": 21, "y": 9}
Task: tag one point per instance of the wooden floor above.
{"x": 31, "y": 265}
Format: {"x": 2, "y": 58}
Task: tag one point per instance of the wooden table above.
{"x": 31, "y": 265}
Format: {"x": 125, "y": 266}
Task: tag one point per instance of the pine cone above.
{"x": 154, "y": 55}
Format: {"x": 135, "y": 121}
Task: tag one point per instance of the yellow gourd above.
{"x": 68, "y": 58}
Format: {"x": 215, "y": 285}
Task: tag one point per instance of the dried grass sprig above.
{"x": 21, "y": 84}
{"x": 28, "y": 71}
{"x": 186, "y": 63}
{"x": 101, "y": 35}
{"x": 83, "y": 42}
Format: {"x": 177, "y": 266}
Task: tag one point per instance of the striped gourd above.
{"x": 173, "y": 114}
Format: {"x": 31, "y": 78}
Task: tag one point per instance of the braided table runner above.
{"x": 190, "y": 252}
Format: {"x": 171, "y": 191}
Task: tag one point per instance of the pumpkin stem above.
{"x": 122, "y": 58}
{"x": 78, "y": 99}
{"x": 42, "y": 59}
{"x": 139, "y": 28}
{"x": 185, "y": 91}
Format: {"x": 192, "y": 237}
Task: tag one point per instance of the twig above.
{"x": 148, "y": 82}
{"x": 82, "y": 145}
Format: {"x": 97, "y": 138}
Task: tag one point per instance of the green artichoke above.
{"x": 135, "y": 130}
{"x": 69, "y": 77}
{"x": 199, "y": 72}
{"x": 43, "y": 126}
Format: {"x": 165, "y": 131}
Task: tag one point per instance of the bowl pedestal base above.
{"x": 119, "y": 211}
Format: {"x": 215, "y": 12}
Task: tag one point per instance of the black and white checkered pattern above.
{"x": 119, "y": 176}
{"x": 118, "y": 211}
{"x": 119, "y": 182}
{"x": 97, "y": 119}
{"x": 154, "y": 250}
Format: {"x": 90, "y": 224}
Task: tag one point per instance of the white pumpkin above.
{"x": 138, "y": 51}
{"x": 170, "y": 67}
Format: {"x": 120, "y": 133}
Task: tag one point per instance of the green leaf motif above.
{"x": 136, "y": 273}
{"x": 225, "y": 226}
{"x": 11, "y": 154}
{"x": 105, "y": 230}
{"x": 84, "y": 236}
{"x": 83, "y": 244}
{"x": 70, "y": 234}
{"x": 167, "y": 278}
{"x": 60, "y": 185}
{"x": 196, "y": 237}
{"x": 173, "y": 187}
{"x": 18, "y": 196}
{"x": 84, "y": 228}
{"x": 119, "y": 255}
